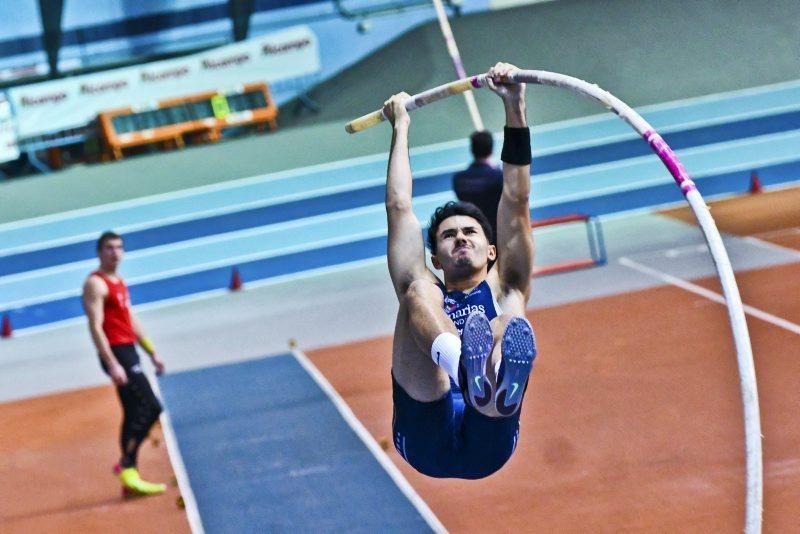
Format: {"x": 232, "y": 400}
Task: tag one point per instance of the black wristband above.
{"x": 516, "y": 146}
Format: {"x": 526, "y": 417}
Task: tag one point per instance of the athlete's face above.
{"x": 461, "y": 246}
{"x": 111, "y": 253}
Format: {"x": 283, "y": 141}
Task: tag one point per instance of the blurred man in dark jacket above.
{"x": 482, "y": 182}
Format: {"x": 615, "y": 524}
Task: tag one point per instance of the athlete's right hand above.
{"x": 118, "y": 375}
{"x": 395, "y": 109}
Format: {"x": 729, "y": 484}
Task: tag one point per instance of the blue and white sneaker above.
{"x": 476, "y": 346}
{"x": 518, "y": 349}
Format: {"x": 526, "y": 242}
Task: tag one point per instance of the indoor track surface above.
{"x": 633, "y": 420}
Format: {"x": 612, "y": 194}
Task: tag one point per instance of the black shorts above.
{"x": 127, "y": 357}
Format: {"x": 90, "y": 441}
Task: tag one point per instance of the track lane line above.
{"x": 382, "y": 458}
{"x": 710, "y": 295}
{"x": 178, "y": 467}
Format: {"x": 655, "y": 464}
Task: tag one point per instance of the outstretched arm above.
{"x": 514, "y": 240}
{"x": 94, "y": 292}
{"x": 406, "y": 249}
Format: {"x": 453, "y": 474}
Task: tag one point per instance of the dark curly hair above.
{"x": 456, "y": 208}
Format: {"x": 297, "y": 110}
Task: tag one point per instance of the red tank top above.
{"x": 116, "y": 312}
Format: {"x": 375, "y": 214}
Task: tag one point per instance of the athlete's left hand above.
{"x": 158, "y": 363}
{"x": 498, "y": 81}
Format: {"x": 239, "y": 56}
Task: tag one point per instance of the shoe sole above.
{"x": 518, "y": 349}
{"x": 476, "y": 346}
{"x": 130, "y": 493}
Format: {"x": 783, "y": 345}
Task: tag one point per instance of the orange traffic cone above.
{"x": 6, "y": 328}
{"x": 236, "y": 280}
{"x": 755, "y": 183}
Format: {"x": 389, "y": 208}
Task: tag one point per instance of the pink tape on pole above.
{"x": 672, "y": 162}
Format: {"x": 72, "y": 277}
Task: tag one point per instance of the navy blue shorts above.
{"x": 446, "y": 439}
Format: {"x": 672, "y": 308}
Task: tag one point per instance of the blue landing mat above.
{"x": 267, "y": 451}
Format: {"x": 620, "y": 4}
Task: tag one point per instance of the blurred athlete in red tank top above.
{"x": 117, "y": 324}
{"x": 115, "y": 330}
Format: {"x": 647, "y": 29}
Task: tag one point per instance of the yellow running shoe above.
{"x": 133, "y": 485}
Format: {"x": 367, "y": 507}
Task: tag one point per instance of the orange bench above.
{"x": 169, "y": 120}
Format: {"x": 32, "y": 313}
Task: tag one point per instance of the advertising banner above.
{"x": 73, "y": 102}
